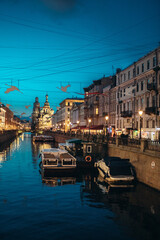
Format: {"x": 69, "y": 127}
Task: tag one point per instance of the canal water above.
{"x": 36, "y": 206}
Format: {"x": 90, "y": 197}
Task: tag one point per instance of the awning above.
{"x": 97, "y": 127}
{"x": 80, "y": 127}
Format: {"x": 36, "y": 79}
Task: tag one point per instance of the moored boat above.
{"x": 115, "y": 170}
{"x": 57, "y": 159}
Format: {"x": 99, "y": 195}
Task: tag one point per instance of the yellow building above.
{"x": 62, "y": 119}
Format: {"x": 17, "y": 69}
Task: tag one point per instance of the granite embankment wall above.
{"x": 5, "y": 136}
{"x": 146, "y": 164}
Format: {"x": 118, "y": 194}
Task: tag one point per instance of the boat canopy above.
{"x": 76, "y": 140}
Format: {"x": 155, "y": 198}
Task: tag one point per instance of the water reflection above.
{"x": 61, "y": 180}
{"x": 40, "y": 205}
{"x": 135, "y": 207}
{"x": 8, "y": 148}
{"x": 107, "y": 187}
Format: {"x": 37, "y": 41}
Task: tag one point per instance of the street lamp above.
{"x": 106, "y": 118}
{"x": 89, "y": 121}
{"x": 140, "y": 114}
{"x": 78, "y": 124}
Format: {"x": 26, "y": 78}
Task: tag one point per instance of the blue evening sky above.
{"x": 45, "y": 44}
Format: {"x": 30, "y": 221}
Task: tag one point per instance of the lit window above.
{"x": 96, "y": 111}
{"x": 89, "y": 149}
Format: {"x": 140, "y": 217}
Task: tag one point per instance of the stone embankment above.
{"x": 6, "y": 136}
{"x": 143, "y": 155}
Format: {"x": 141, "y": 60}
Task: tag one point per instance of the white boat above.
{"x": 115, "y": 170}
{"x": 57, "y": 159}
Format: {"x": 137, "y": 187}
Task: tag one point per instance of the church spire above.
{"x": 46, "y": 104}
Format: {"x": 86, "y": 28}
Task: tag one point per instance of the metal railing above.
{"x": 153, "y": 145}
{"x": 120, "y": 141}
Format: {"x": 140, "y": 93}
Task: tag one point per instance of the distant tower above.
{"x": 35, "y": 114}
{"x": 46, "y": 113}
{"x": 46, "y": 104}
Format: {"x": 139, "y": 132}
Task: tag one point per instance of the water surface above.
{"x": 34, "y": 205}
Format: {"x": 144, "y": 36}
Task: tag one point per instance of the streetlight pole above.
{"x": 106, "y": 118}
{"x": 140, "y": 114}
{"x": 89, "y": 121}
{"x": 78, "y": 124}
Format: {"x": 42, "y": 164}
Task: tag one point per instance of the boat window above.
{"x": 89, "y": 149}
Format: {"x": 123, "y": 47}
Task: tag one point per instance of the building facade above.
{"x": 62, "y": 117}
{"x": 77, "y": 117}
{"x": 138, "y": 89}
{"x": 2, "y": 118}
{"x": 96, "y": 108}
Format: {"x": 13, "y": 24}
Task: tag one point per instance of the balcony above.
{"x": 126, "y": 114}
{"x": 151, "y": 110}
{"x": 151, "y": 87}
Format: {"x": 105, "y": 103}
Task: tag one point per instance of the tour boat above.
{"x": 115, "y": 170}
{"x": 57, "y": 159}
{"x": 42, "y": 138}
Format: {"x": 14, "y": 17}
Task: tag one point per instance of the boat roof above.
{"x": 54, "y": 150}
{"x": 43, "y": 136}
{"x": 75, "y": 140}
{"x": 117, "y": 161}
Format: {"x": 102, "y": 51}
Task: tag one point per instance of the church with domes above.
{"x": 42, "y": 116}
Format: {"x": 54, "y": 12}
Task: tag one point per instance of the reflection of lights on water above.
{"x": 18, "y": 143}
{"x": 44, "y": 146}
{"x": 23, "y": 137}
{"x": 2, "y": 158}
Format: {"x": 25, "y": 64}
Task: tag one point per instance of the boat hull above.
{"x": 104, "y": 172}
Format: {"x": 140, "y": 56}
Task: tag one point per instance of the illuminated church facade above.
{"x": 42, "y": 116}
